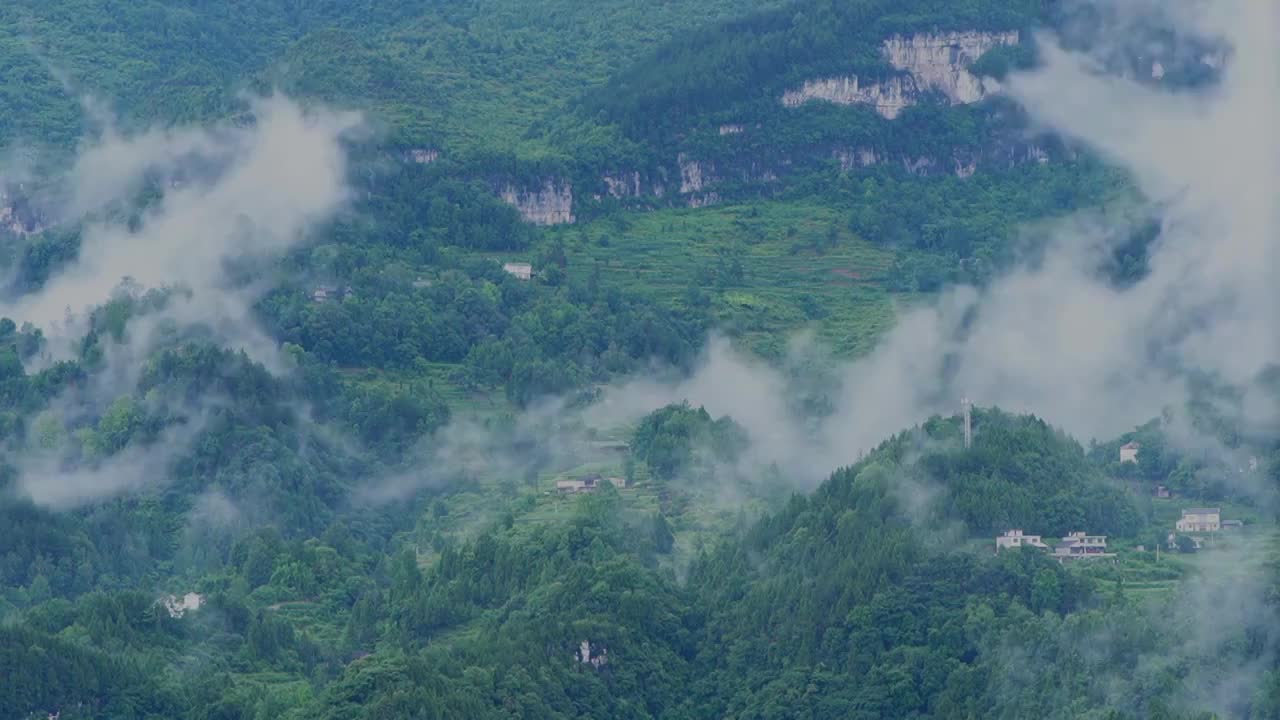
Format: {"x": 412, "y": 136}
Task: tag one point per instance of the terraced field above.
{"x": 767, "y": 270}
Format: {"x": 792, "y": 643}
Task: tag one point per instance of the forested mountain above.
{"x": 562, "y": 359}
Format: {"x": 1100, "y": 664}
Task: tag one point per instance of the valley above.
{"x": 552, "y": 359}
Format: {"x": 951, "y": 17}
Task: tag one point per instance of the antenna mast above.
{"x": 968, "y": 422}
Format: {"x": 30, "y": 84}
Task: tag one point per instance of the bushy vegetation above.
{"x": 252, "y": 478}
{"x": 677, "y": 439}
{"x": 837, "y": 605}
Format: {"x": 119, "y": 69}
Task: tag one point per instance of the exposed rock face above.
{"x": 941, "y": 62}
{"x": 697, "y": 201}
{"x": 731, "y": 129}
{"x": 178, "y": 606}
{"x": 632, "y": 185}
{"x": 920, "y": 165}
{"x": 16, "y": 214}
{"x": 932, "y": 62}
{"x": 963, "y": 163}
{"x": 889, "y": 98}
{"x": 551, "y": 204}
{"x": 694, "y": 174}
{"x": 851, "y": 158}
{"x": 698, "y": 176}
{"x": 590, "y": 654}
{"x": 623, "y": 185}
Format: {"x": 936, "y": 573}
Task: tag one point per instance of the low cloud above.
{"x": 233, "y": 191}
{"x": 51, "y": 480}
{"x": 1054, "y": 336}
{"x": 543, "y": 437}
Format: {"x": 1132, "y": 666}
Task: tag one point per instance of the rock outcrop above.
{"x": 889, "y": 98}
{"x": 694, "y": 174}
{"x": 697, "y": 201}
{"x": 550, "y": 204}
{"x": 179, "y": 606}
{"x": 961, "y": 162}
{"x": 17, "y": 216}
{"x": 632, "y": 185}
{"x": 929, "y": 62}
{"x": 852, "y": 158}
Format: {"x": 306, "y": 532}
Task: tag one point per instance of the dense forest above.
{"x": 375, "y": 469}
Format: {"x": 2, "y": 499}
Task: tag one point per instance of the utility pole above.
{"x": 968, "y": 422}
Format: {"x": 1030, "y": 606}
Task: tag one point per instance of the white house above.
{"x": 1129, "y": 452}
{"x": 1079, "y": 545}
{"x": 1200, "y": 520}
{"x": 522, "y": 271}
{"x": 1016, "y": 539}
{"x": 588, "y": 483}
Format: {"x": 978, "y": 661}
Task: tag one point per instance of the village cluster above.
{"x": 1081, "y": 545}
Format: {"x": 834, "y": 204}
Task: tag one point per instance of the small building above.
{"x": 588, "y": 483}
{"x": 574, "y": 486}
{"x": 1200, "y": 520}
{"x": 1016, "y": 539}
{"x": 1129, "y": 452}
{"x": 1162, "y": 491}
{"x": 1080, "y": 545}
{"x": 521, "y": 271}
{"x": 1232, "y": 524}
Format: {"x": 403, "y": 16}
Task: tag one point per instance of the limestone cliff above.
{"x": 694, "y": 174}
{"x": 633, "y": 185}
{"x": 851, "y": 158}
{"x": 929, "y": 62}
{"x": 550, "y": 204}
{"x": 889, "y": 97}
{"x": 962, "y": 163}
